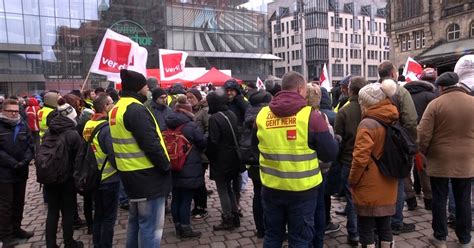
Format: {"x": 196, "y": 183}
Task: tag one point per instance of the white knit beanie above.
{"x": 67, "y": 111}
{"x": 374, "y": 93}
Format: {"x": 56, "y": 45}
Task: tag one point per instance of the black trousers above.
{"x": 462, "y": 197}
{"x": 367, "y": 225}
{"x": 257, "y": 206}
{"x": 88, "y": 208}
{"x": 61, "y": 197}
{"x": 12, "y": 201}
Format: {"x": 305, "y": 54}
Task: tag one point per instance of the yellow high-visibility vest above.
{"x": 340, "y": 107}
{"x": 128, "y": 155}
{"x": 100, "y": 156}
{"x": 286, "y": 161}
{"x": 42, "y": 117}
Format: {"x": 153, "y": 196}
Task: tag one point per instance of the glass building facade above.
{"x": 50, "y": 44}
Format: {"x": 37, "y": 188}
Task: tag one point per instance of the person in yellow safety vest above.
{"x": 344, "y": 98}
{"x": 142, "y": 161}
{"x": 88, "y": 96}
{"x": 50, "y": 103}
{"x": 291, "y": 138}
{"x": 106, "y": 197}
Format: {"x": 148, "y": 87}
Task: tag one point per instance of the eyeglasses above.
{"x": 12, "y": 111}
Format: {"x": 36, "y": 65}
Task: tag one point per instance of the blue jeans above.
{"x": 181, "y": 205}
{"x": 397, "y": 219}
{"x": 462, "y": 196}
{"x": 350, "y": 209}
{"x": 123, "y": 197}
{"x": 227, "y": 197}
{"x": 106, "y": 205}
{"x": 320, "y": 216}
{"x": 146, "y": 220}
{"x": 297, "y": 214}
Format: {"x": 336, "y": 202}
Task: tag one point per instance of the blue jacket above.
{"x": 192, "y": 174}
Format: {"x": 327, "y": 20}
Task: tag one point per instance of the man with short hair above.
{"x": 142, "y": 160}
{"x": 445, "y": 137}
{"x": 159, "y": 107}
{"x": 107, "y": 195}
{"x": 291, "y": 138}
{"x": 408, "y": 120}
{"x": 16, "y": 152}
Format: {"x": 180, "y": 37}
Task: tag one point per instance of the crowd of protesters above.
{"x": 297, "y": 142}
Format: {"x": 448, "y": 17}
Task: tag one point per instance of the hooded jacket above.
{"x": 325, "y": 106}
{"x": 422, "y": 93}
{"x": 15, "y": 153}
{"x": 373, "y": 193}
{"x": 221, "y": 151}
{"x": 287, "y": 103}
{"x": 32, "y": 114}
{"x": 138, "y": 120}
{"x": 192, "y": 174}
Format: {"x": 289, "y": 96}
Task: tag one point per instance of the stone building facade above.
{"x": 434, "y": 32}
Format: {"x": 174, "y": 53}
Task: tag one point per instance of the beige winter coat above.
{"x": 446, "y": 135}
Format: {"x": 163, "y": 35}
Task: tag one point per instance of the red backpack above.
{"x": 178, "y": 147}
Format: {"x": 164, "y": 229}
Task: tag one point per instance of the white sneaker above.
{"x": 437, "y": 243}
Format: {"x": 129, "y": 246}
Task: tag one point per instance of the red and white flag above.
{"x": 324, "y": 79}
{"x": 172, "y": 64}
{"x": 260, "y": 84}
{"x": 412, "y": 70}
{"x": 118, "y": 52}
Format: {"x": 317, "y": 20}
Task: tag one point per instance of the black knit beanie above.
{"x": 131, "y": 80}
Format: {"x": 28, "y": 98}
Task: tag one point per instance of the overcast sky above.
{"x": 257, "y": 5}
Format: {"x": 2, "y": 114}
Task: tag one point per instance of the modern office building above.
{"x": 349, "y": 36}
{"x": 358, "y": 40}
{"x": 300, "y": 49}
{"x": 435, "y": 33}
{"x": 50, "y": 44}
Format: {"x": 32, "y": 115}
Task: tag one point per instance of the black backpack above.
{"x": 398, "y": 151}
{"x": 87, "y": 175}
{"x": 52, "y": 159}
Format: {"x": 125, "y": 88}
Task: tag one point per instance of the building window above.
{"x": 409, "y": 9}
{"x": 472, "y": 29}
{"x": 337, "y": 70}
{"x": 279, "y": 72}
{"x": 417, "y": 35}
{"x": 453, "y": 32}
{"x": 373, "y": 72}
{"x": 356, "y": 70}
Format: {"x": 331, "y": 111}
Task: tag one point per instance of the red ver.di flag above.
{"x": 172, "y": 64}
{"x": 118, "y": 52}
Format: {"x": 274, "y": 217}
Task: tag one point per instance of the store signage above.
{"x": 134, "y": 31}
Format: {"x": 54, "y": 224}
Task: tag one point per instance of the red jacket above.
{"x": 32, "y": 114}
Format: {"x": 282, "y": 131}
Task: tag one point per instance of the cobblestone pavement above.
{"x": 35, "y": 219}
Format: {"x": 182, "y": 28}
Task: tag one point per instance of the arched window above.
{"x": 453, "y": 32}
{"x": 472, "y": 29}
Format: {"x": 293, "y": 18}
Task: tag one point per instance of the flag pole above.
{"x": 85, "y": 81}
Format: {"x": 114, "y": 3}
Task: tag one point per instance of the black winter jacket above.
{"x": 153, "y": 182}
{"x": 192, "y": 175}
{"x": 238, "y": 106}
{"x": 160, "y": 112}
{"x": 247, "y": 135}
{"x": 59, "y": 124}
{"x": 15, "y": 155}
{"x": 422, "y": 93}
{"x": 221, "y": 151}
